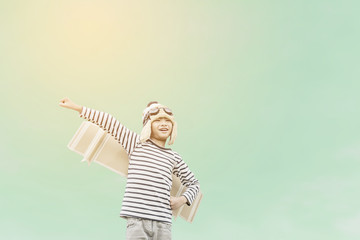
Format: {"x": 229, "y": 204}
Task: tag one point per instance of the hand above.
{"x": 67, "y": 103}
{"x": 176, "y": 202}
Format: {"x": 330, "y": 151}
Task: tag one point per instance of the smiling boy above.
{"x": 147, "y": 204}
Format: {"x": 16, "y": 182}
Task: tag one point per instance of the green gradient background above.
{"x": 265, "y": 93}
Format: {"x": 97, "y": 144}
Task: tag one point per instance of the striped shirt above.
{"x": 149, "y": 180}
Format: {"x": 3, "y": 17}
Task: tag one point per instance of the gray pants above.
{"x": 144, "y": 229}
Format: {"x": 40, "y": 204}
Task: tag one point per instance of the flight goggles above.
{"x": 154, "y": 111}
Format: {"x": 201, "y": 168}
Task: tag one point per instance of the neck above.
{"x": 158, "y": 142}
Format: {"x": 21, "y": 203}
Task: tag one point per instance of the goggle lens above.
{"x": 168, "y": 111}
{"x": 155, "y": 111}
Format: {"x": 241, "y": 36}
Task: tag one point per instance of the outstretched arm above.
{"x": 107, "y": 122}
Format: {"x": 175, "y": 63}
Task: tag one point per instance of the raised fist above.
{"x": 67, "y": 103}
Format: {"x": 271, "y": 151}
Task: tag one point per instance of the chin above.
{"x": 163, "y": 135}
{"x": 164, "y": 138}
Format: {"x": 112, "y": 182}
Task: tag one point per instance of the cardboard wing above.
{"x": 96, "y": 145}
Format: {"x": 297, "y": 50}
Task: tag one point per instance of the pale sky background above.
{"x": 266, "y": 95}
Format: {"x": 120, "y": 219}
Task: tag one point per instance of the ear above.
{"x": 146, "y": 132}
{"x": 173, "y": 133}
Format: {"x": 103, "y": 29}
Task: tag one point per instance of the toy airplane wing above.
{"x": 96, "y": 145}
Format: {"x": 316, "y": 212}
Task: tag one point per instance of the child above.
{"x": 147, "y": 204}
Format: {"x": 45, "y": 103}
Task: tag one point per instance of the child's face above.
{"x": 161, "y": 128}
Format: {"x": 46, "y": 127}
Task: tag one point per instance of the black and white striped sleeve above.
{"x": 106, "y": 121}
{"x": 187, "y": 178}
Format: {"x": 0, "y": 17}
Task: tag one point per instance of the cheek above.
{"x": 153, "y": 126}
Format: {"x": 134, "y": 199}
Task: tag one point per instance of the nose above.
{"x": 163, "y": 122}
